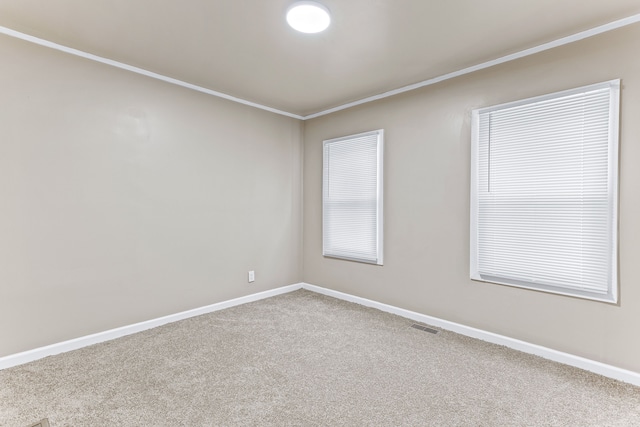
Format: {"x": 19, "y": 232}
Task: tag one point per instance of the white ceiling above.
{"x": 245, "y": 49}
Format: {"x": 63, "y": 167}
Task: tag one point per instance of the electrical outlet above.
{"x": 252, "y": 276}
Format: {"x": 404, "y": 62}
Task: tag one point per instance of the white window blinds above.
{"x": 352, "y": 197}
{"x": 544, "y": 193}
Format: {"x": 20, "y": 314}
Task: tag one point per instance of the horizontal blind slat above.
{"x": 543, "y": 198}
{"x": 350, "y": 197}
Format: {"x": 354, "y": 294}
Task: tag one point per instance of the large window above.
{"x": 352, "y": 197}
{"x": 544, "y": 192}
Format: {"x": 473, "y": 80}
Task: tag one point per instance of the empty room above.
{"x": 319, "y": 213}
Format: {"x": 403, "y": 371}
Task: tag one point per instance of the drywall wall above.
{"x": 123, "y": 198}
{"x": 426, "y": 190}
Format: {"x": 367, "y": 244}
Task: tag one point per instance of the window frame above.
{"x": 612, "y": 185}
{"x": 379, "y": 198}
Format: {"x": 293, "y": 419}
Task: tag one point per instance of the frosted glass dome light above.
{"x": 308, "y": 17}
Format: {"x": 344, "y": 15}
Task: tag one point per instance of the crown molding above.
{"x": 141, "y": 71}
{"x": 633, "y": 19}
{"x": 507, "y": 58}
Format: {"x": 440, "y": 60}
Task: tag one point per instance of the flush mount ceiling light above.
{"x": 308, "y": 16}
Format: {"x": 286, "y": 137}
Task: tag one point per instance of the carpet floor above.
{"x": 304, "y": 359}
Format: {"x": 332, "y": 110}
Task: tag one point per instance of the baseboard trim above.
{"x": 526, "y": 347}
{"x": 76, "y": 343}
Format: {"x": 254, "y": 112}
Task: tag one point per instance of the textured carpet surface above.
{"x": 303, "y": 359}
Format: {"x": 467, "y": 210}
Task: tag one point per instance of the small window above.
{"x": 352, "y": 197}
{"x": 544, "y": 193}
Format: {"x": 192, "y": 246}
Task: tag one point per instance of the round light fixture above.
{"x": 308, "y": 16}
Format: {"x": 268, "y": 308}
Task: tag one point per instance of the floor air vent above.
{"x": 424, "y": 328}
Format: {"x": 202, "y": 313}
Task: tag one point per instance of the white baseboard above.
{"x": 76, "y": 343}
{"x": 547, "y": 353}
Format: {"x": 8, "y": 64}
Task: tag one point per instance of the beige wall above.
{"x": 123, "y": 198}
{"x": 427, "y": 140}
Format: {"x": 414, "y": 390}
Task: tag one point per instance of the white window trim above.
{"x": 614, "y": 118}
{"x": 379, "y": 193}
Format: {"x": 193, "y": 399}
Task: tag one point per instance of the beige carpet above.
{"x": 303, "y": 359}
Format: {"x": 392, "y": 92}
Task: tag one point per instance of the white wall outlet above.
{"x": 252, "y": 276}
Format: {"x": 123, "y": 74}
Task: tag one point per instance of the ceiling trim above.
{"x": 531, "y": 51}
{"x": 521, "y": 54}
{"x": 137, "y": 70}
